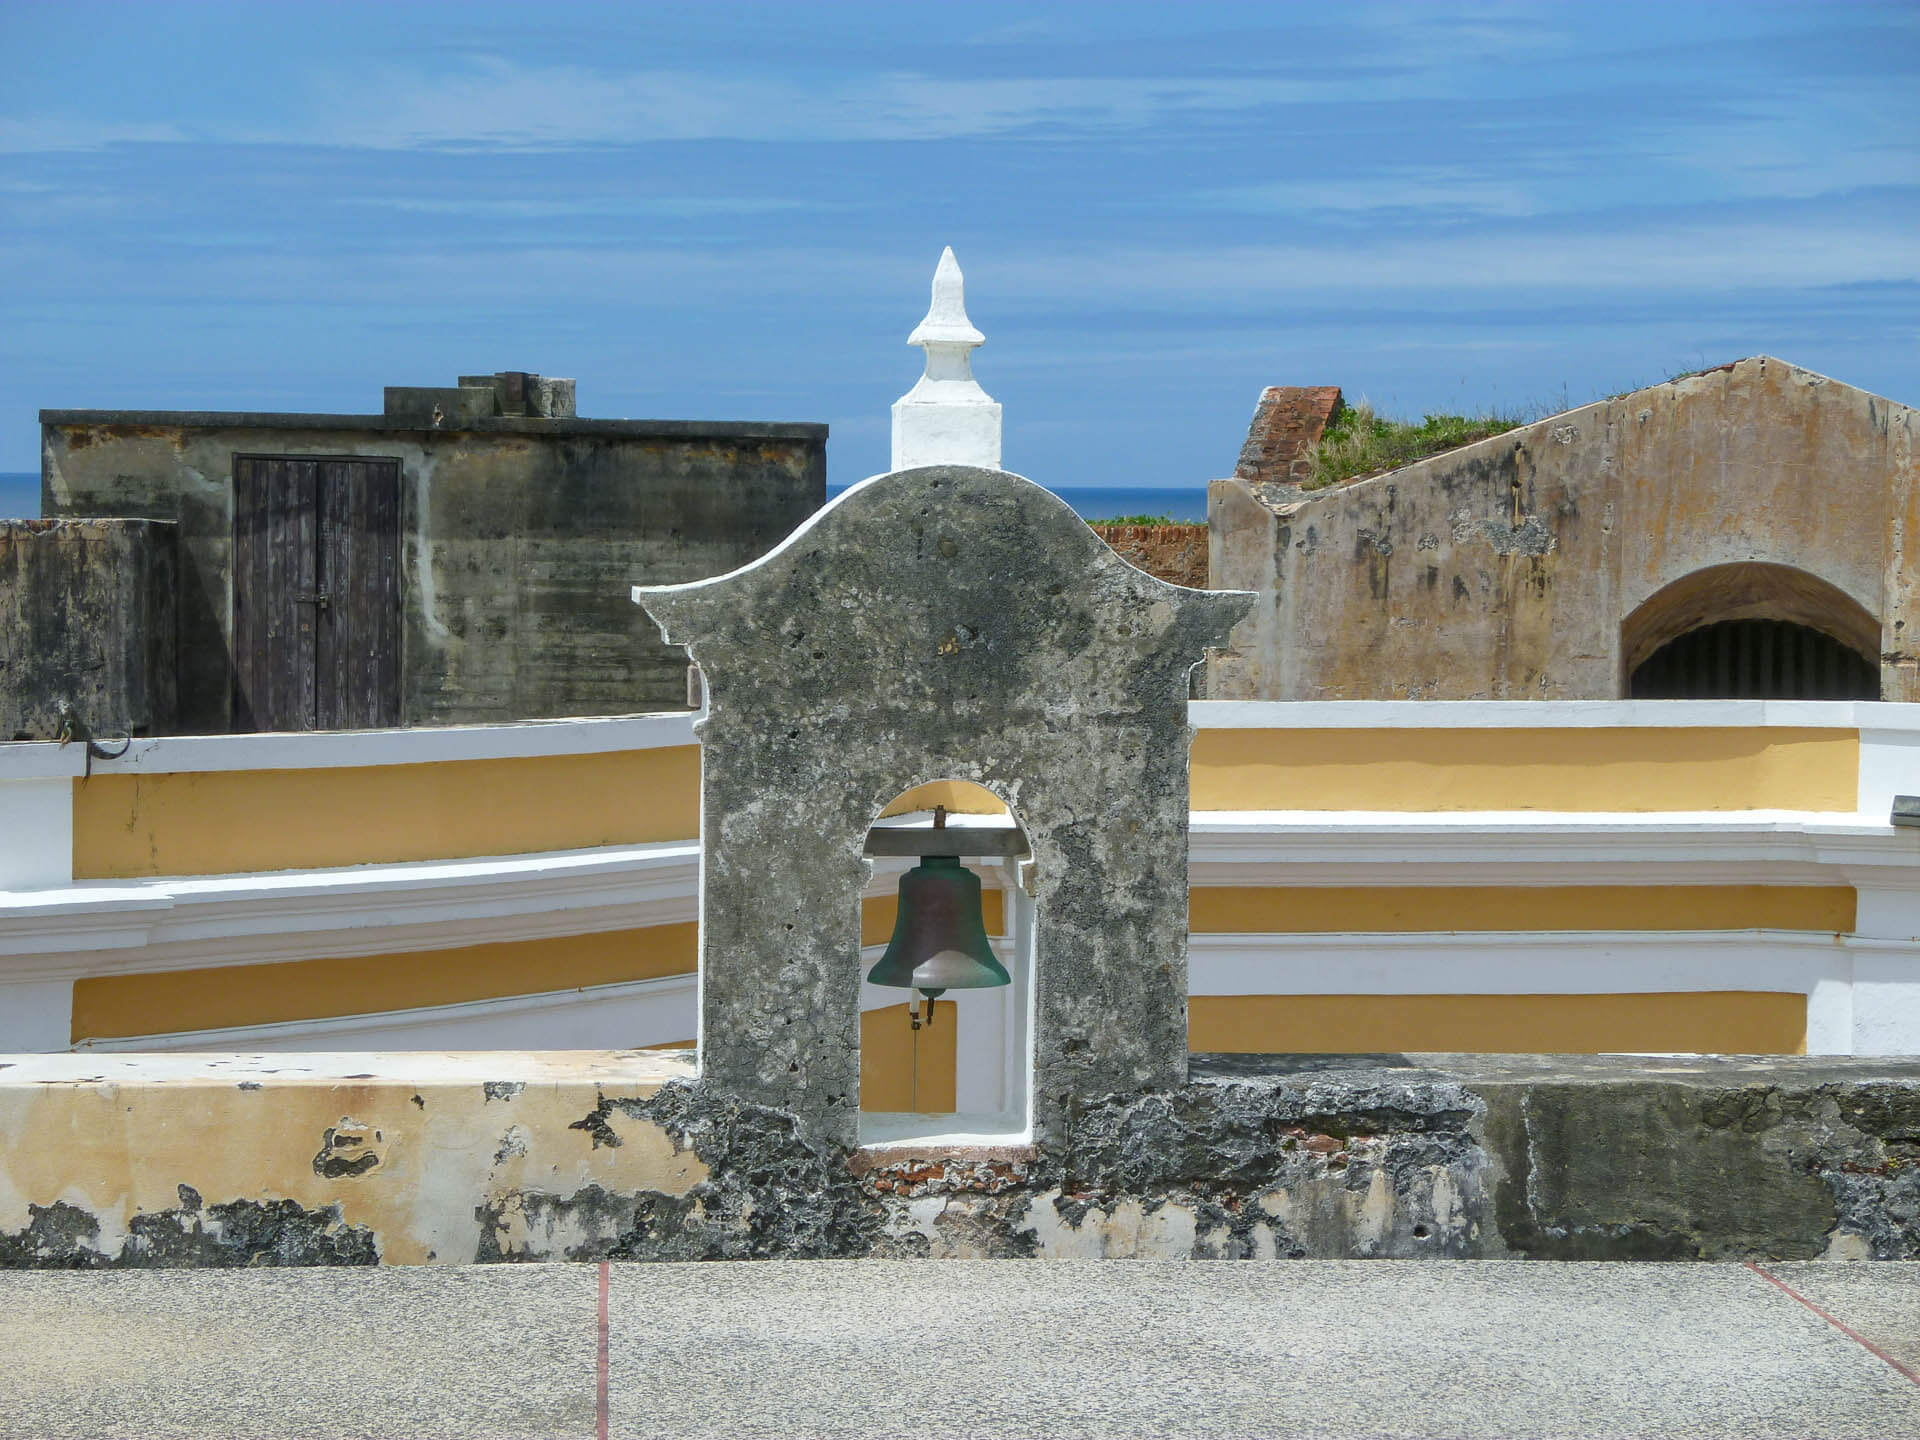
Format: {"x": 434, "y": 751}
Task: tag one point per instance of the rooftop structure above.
{"x": 1738, "y": 533}
{"x": 457, "y": 558}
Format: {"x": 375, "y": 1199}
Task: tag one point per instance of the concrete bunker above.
{"x": 1750, "y": 631}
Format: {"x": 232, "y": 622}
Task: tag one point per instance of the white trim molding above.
{"x": 1364, "y": 715}
{"x": 1536, "y": 847}
{"x": 332, "y": 749}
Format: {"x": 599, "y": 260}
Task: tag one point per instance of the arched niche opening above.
{"x": 958, "y": 1064}
{"x": 1750, "y": 631}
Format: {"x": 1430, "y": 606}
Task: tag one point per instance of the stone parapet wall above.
{"x": 132, "y": 1161}
{"x": 1174, "y": 553}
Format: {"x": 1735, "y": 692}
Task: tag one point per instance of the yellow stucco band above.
{"x": 961, "y": 797}
{"x": 1733, "y": 1022}
{"x": 1236, "y": 910}
{"x": 166, "y": 1002}
{"x": 1637, "y": 769}
{"x": 221, "y": 822}
{"x": 903, "y": 1069}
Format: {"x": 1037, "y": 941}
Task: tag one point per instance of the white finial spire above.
{"x": 946, "y": 419}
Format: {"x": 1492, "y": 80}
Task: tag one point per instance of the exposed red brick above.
{"x": 1177, "y": 553}
{"x": 1287, "y": 423}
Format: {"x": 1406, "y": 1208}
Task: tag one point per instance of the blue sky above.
{"x": 734, "y": 212}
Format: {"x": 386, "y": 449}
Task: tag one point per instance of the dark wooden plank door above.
{"x": 316, "y": 592}
{"x": 358, "y": 650}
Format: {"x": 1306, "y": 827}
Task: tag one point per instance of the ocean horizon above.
{"x": 1185, "y": 504}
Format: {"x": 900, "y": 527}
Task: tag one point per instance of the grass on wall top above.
{"x": 1358, "y": 442}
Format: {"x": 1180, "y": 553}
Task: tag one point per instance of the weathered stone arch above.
{"x": 1749, "y": 590}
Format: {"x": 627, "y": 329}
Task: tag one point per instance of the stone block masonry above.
{"x": 201, "y": 1161}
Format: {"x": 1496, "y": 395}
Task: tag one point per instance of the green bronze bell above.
{"x": 940, "y": 938}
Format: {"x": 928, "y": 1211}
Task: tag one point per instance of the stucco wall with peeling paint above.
{"x": 118, "y": 1161}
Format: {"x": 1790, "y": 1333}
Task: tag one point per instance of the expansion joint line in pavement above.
{"x": 1848, "y": 1331}
{"x": 600, "y": 1380}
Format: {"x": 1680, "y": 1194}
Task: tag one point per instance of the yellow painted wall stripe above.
{"x": 1733, "y": 1022}
{"x": 1332, "y": 910}
{"x": 1638, "y": 769}
{"x": 903, "y": 1069}
{"x": 961, "y": 797}
{"x": 169, "y": 1001}
{"x": 166, "y": 1002}
{"x": 222, "y": 822}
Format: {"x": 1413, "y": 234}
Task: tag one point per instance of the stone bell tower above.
{"x": 942, "y": 621}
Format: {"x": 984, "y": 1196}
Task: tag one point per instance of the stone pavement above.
{"x": 960, "y": 1348}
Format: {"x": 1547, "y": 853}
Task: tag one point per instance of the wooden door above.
{"x": 316, "y": 592}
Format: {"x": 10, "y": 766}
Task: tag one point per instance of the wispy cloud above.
{"x": 47, "y": 134}
{"x": 498, "y": 103}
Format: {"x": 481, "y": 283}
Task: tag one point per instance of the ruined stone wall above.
{"x": 86, "y": 622}
{"x": 1175, "y": 553}
{"x": 116, "y": 1161}
{"x": 519, "y": 541}
{"x": 1506, "y": 569}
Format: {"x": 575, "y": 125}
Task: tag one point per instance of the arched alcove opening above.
{"x": 1750, "y": 631}
{"x": 960, "y": 1062}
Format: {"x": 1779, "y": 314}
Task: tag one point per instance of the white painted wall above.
{"x": 36, "y": 834}
{"x": 36, "y": 1016}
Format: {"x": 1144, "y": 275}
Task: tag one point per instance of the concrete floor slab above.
{"x": 1291, "y": 1348}
{"x": 299, "y": 1354}
{"x": 879, "y": 1348}
{"x": 1883, "y": 1309}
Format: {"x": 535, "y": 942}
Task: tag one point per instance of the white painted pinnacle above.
{"x": 946, "y": 419}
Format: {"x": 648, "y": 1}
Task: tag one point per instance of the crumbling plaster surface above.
{"x": 933, "y": 624}
{"x": 519, "y": 539}
{"x": 1505, "y": 569}
{"x": 131, "y": 1161}
{"x": 312, "y": 1160}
